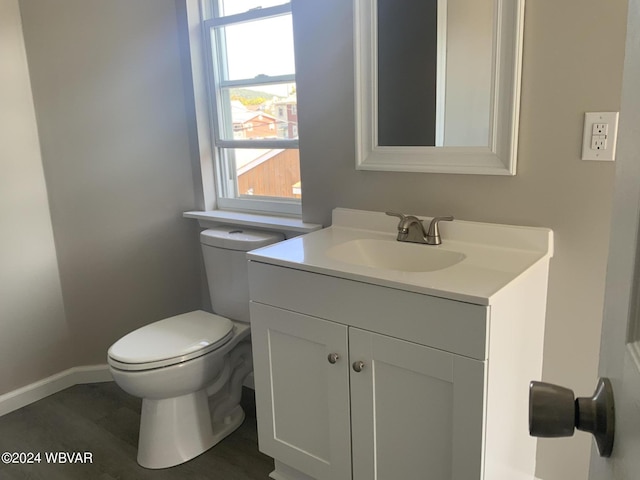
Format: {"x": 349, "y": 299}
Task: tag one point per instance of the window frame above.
{"x": 220, "y": 186}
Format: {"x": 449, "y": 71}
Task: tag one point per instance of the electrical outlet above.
{"x": 600, "y": 136}
{"x": 600, "y": 129}
{"x": 598, "y": 142}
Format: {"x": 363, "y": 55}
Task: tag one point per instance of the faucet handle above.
{"x": 434, "y": 232}
{"x": 401, "y": 216}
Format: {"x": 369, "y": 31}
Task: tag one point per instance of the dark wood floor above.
{"x": 103, "y": 420}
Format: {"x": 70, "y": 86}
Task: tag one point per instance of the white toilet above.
{"x": 189, "y": 369}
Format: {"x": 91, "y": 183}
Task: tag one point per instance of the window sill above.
{"x": 291, "y": 227}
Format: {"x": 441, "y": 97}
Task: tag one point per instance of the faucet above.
{"x": 411, "y": 229}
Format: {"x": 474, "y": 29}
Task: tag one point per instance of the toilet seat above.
{"x": 171, "y": 341}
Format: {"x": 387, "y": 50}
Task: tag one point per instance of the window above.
{"x": 251, "y": 78}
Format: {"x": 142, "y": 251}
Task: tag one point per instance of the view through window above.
{"x": 254, "y": 107}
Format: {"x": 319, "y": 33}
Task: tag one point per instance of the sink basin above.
{"x": 393, "y": 255}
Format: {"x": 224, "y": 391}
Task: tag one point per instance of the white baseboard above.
{"x": 36, "y": 391}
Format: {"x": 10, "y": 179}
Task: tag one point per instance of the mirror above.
{"x": 438, "y": 85}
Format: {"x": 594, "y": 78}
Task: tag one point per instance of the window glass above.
{"x": 270, "y": 109}
{"x": 263, "y": 172}
{"x": 232, "y": 7}
{"x": 252, "y": 49}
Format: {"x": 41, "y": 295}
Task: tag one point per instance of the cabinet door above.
{"x": 302, "y": 398}
{"x": 416, "y": 412}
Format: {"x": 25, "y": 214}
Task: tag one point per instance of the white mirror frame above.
{"x": 499, "y": 158}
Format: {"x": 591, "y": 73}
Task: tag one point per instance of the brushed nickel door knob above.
{"x": 333, "y": 358}
{"x": 554, "y": 412}
{"x": 358, "y": 366}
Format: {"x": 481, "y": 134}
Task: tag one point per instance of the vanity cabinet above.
{"x": 407, "y": 409}
{"x": 375, "y": 360}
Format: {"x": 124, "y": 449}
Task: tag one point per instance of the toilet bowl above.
{"x": 189, "y": 369}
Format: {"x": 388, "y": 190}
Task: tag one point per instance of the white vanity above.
{"x": 377, "y": 359}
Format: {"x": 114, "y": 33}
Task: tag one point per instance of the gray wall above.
{"x": 109, "y": 97}
{"x": 553, "y": 188}
{"x": 34, "y": 336}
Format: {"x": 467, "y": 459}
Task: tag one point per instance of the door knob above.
{"x": 333, "y": 358}
{"x": 554, "y": 412}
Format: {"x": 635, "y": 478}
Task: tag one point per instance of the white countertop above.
{"x": 495, "y": 255}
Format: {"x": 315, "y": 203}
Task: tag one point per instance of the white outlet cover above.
{"x": 607, "y": 154}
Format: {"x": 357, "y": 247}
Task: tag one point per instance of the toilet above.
{"x": 189, "y": 369}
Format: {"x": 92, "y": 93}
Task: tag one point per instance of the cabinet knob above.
{"x": 358, "y": 366}
{"x": 333, "y": 358}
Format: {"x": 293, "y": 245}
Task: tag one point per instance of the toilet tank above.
{"x": 224, "y": 250}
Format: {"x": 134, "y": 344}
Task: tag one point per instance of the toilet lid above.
{"x": 170, "y": 341}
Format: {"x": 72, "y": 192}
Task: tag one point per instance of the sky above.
{"x": 254, "y": 48}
